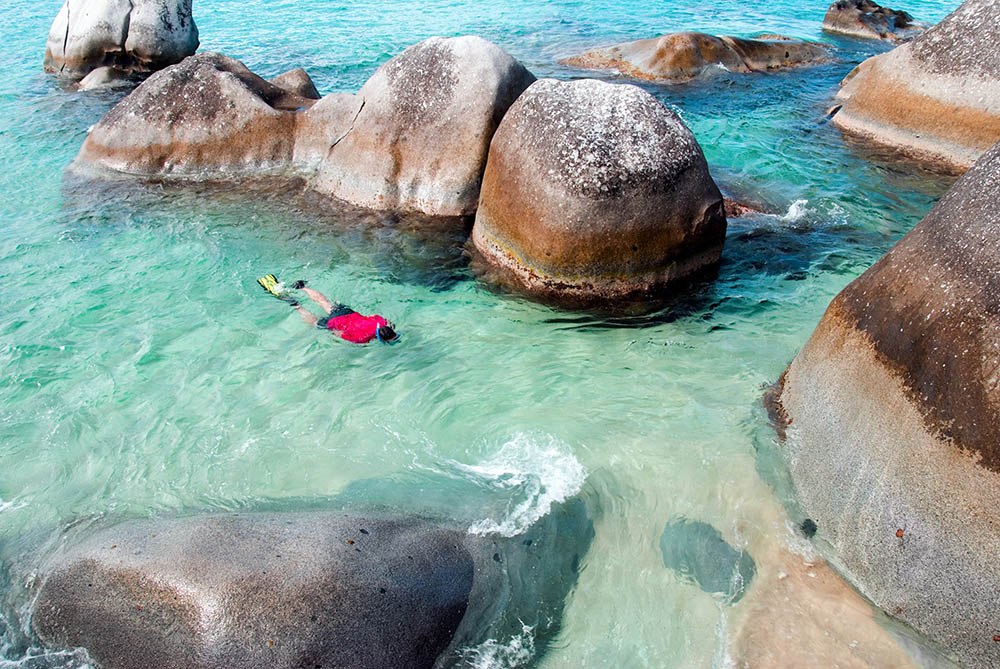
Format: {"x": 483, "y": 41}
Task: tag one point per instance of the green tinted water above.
{"x": 144, "y": 372}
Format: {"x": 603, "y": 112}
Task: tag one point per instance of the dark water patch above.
{"x": 697, "y": 552}
{"x": 759, "y": 248}
{"x": 898, "y": 163}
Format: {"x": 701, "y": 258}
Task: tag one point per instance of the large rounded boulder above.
{"x": 680, "y": 57}
{"x": 420, "y": 139}
{"x": 305, "y": 589}
{"x": 208, "y": 115}
{"x": 891, "y": 416}
{"x": 596, "y": 191}
{"x": 128, "y": 35}
{"x": 869, "y": 20}
{"x": 936, "y": 97}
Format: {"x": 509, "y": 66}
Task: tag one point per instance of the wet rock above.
{"x": 679, "y": 57}
{"x": 937, "y": 97}
{"x": 420, "y": 141}
{"x": 596, "y": 191}
{"x": 207, "y": 116}
{"x": 304, "y": 589}
{"x": 128, "y": 35}
{"x": 697, "y": 551}
{"x": 103, "y": 77}
{"x": 298, "y": 82}
{"x": 892, "y": 420}
{"x": 737, "y": 209}
{"x": 868, "y": 20}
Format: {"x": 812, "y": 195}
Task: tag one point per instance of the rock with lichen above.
{"x": 126, "y": 35}
{"x": 424, "y": 126}
{"x": 596, "y": 191}
{"x": 207, "y": 116}
{"x": 891, "y": 419}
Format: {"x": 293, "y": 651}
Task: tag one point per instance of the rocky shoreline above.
{"x": 585, "y": 192}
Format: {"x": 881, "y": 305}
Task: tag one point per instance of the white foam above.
{"x": 491, "y": 654}
{"x": 11, "y": 506}
{"x": 796, "y": 211}
{"x": 538, "y": 472}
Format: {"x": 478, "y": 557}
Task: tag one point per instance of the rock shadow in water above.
{"x": 404, "y": 248}
{"x": 758, "y": 246}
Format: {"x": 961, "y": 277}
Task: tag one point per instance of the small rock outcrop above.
{"x": 299, "y": 82}
{"x": 937, "y": 97}
{"x": 207, "y": 116}
{"x": 596, "y": 191}
{"x": 868, "y": 20}
{"x": 127, "y": 35}
{"x": 891, "y": 413}
{"x": 303, "y": 589}
{"x": 680, "y": 57}
{"x": 427, "y": 117}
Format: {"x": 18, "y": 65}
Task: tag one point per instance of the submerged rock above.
{"x": 679, "y": 57}
{"x": 304, "y": 589}
{"x": 892, "y": 419}
{"x": 868, "y": 20}
{"x": 206, "y": 116}
{"x": 697, "y": 551}
{"x": 596, "y": 191}
{"x": 128, "y": 35}
{"x": 426, "y": 120}
{"x": 936, "y": 97}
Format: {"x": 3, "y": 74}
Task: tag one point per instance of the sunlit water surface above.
{"x": 144, "y": 372}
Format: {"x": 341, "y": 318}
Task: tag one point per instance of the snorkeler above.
{"x": 340, "y": 319}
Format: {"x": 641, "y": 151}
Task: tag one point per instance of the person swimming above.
{"x": 340, "y": 318}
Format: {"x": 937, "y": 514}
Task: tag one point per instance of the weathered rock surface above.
{"x": 302, "y": 589}
{"x": 413, "y": 139}
{"x": 420, "y": 141}
{"x": 869, "y": 20}
{"x": 207, "y": 115}
{"x": 680, "y": 57}
{"x": 129, "y": 35}
{"x": 893, "y": 422}
{"x": 596, "y": 191}
{"x": 936, "y": 97}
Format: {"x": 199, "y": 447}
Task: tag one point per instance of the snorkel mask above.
{"x": 378, "y": 335}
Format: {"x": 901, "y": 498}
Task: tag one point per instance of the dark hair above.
{"x": 386, "y": 333}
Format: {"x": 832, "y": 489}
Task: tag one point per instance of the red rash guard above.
{"x": 356, "y": 328}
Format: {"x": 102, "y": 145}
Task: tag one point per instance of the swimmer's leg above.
{"x": 319, "y": 298}
{"x": 309, "y": 317}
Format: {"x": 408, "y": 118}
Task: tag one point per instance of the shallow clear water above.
{"x": 144, "y": 372}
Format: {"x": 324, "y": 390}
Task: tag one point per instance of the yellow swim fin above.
{"x": 270, "y": 283}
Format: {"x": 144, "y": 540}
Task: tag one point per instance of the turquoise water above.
{"x": 144, "y": 373}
